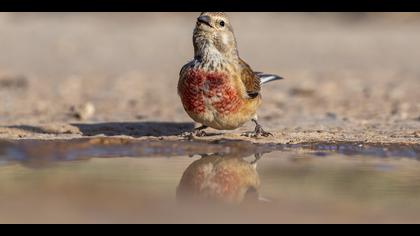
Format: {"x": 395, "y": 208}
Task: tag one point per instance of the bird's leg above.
{"x": 259, "y": 131}
{"x": 257, "y": 157}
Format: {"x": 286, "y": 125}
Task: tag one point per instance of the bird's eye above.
{"x": 222, "y": 23}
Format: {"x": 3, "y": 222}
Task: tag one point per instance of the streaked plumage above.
{"x": 217, "y": 88}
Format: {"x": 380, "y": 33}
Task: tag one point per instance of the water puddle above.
{"x": 113, "y": 180}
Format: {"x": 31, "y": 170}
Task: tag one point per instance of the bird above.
{"x": 217, "y": 88}
{"x": 220, "y": 179}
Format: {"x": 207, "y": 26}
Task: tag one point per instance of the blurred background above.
{"x": 341, "y": 69}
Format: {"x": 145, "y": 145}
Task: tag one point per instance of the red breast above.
{"x": 202, "y": 88}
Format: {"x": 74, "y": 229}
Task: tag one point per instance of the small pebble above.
{"x": 83, "y": 112}
{"x": 140, "y": 117}
{"x": 331, "y": 115}
{"x": 302, "y": 92}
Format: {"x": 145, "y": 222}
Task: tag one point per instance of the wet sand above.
{"x": 350, "y": 77}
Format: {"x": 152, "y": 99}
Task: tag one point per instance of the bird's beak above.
{"x": 205, "y": 20}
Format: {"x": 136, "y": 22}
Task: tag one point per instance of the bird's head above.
{"x": 213, "y": 36}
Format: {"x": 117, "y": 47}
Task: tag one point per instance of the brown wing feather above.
{"x": 250, "y": 80}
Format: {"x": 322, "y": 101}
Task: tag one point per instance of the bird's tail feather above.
{"x": 265, "y": 78}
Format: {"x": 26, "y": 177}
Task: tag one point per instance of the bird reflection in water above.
{"x": 220, "y": 179}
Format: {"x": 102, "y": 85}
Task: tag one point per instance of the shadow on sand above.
{"x": 134, "y": 129}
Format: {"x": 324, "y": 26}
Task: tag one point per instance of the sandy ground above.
{"x": 349, "y": 77}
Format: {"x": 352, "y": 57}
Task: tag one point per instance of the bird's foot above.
{"x": 258, "y": 132}
{"x": 190, "y": 135}
{"x": 257, "y": 157}
{"x": 198, "y": 132}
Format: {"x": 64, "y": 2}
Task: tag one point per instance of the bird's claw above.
{"x": 258, "y": 132}
{"x": 195, "y": 133}
{"x": 266, "y": 134}
{"x": 200, "y": 133}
